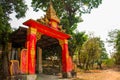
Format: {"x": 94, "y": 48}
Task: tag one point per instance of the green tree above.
{"x": 114, "y": 39}
{"x": 10, "y": 6}
{"x": 90, "y": 52}
{"x": 6, "y": 8}
{"x": 5, "y": 30}
{"x": 103, "y": 55}
{"x": 69, "y": 11}
{"x": 76, "y": 43}
{"x": 5, "y": 27}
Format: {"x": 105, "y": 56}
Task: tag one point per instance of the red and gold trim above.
{"x": 38, "y": 35}
{"x": 32, "y": 30}
{"x": 24, "y": 61}
{"x": 66, "y": 59}
{"x": 14, "y": 70}
{"x": 31, "y": 46}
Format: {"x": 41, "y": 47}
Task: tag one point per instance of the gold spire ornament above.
{"x": 51, "y": 14}
{"x": 51, "y": 19}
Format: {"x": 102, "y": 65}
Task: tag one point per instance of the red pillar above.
{"x": 31, "y": 46}
{"x": 24, "y": 61}
{"x": 66, "y": 59}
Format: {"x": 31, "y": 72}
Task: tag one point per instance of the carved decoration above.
{"x": 44, "y": 20}
{"x": 50, "y": 17}
{"x": 38, "y": 35}
{"x": 14, "y": 67}
{"x": 51, "y": 14}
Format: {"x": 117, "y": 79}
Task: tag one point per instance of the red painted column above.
{"x": 24, "y": 61}
{"x": 31, "y": 46}
{"x": 66, "y": 59}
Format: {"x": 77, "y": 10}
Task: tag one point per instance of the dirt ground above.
{"x": 109, "y": 74}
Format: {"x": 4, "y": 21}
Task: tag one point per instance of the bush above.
{"x": 110, "y": 62}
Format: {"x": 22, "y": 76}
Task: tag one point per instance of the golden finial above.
{"x": 51, "y": 14}
{"x": 51, "y": 19}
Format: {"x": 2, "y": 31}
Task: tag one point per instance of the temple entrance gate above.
{"x": 50, "y": 27}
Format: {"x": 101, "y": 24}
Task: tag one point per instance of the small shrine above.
{"x": 44, "y": 32}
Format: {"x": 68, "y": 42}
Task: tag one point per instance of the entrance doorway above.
{"x": 48, "y": 56}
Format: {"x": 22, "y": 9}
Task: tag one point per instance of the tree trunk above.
{"x": 79, "y": 59}
{"x": 5, "y": 62}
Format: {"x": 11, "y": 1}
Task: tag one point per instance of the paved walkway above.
{"x": 49, "y": 77}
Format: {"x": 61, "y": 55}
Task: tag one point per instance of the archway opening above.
{"x": 50, "y": 50}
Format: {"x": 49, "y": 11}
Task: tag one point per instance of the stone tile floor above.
{"x": 49, "y": 77}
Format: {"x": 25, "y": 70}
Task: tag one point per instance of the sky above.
{"x": 100, "y": 21}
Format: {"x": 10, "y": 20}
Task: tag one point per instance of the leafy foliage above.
{"x": 69, "y": 11}
{"x": 6, "y": 8}
{"x": 90, "y": 52}
{"x": 114, "y": 38}
{"x": 76, "y": 42}
{"x": 5, "y": 28}
{"x": 104, "y": 54}
{"x": 110, "y": 62}
{"x": 67, "y": 6}
{"x": 10, "y": 6}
